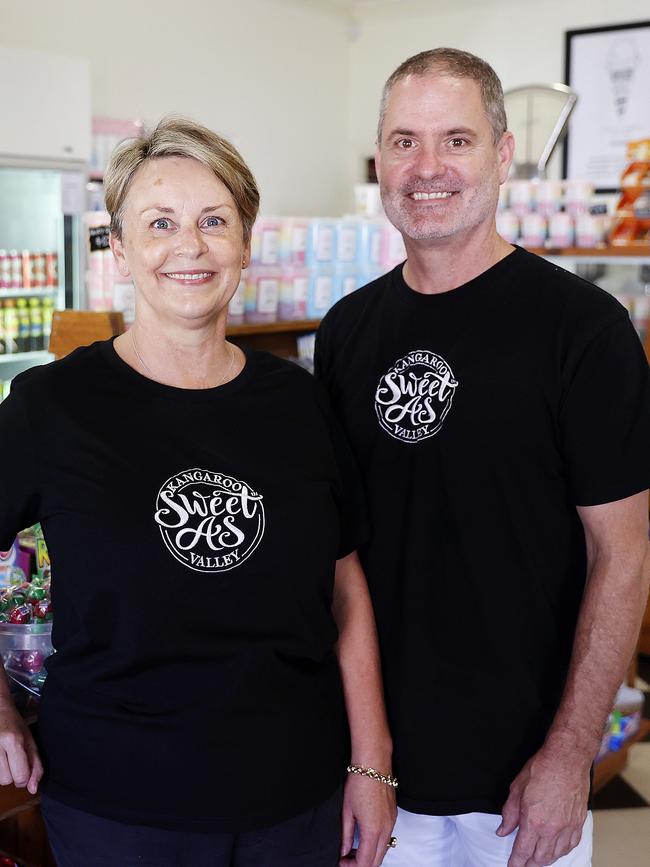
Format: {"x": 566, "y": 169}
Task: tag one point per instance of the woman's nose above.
{"x": 190, "y": 241}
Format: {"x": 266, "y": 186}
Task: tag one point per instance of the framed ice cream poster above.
{"x": 609, "y": 69}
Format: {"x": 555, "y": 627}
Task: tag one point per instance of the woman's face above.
{"x": 182, "y": 241}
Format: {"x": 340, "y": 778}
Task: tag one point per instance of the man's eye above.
{"x": 458, "y": 142}
{"x": 405, "y": 143}
{"x": 161, "y": 223}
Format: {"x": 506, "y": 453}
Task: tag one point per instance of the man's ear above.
{"x": 378, "y": 162}
{"x": 506, "y": 151}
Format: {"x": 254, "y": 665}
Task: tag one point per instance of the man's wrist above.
{"x": 577, "y": 748}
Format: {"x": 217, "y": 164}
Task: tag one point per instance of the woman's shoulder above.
{"x": 268, "y": 364}
{"x": 79, "y": 364}
{"x": 289, "y": 378}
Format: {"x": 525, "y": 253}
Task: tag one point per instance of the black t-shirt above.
{"x": 480, "y": 418}
{"x": 193, "y": 536}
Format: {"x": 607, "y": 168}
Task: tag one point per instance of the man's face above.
{"x": 438, "y": 167}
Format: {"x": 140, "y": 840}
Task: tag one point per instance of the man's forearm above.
{"x": 358, "y": 657}
{"x": 606, "y": 635}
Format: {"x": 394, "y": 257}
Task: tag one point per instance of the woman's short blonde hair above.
{"x": 180, "y": 137}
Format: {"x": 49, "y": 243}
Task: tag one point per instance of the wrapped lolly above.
{"x": 43, "y": 610}
{"x": 6, "y": 600}
{"x": 17, "y": 598}
{"x": 21, "y": 614}
{"x": 32, "y": 661}
{"x": 36, "y": 593}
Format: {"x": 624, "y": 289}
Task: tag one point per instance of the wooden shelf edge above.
{"x": 589, "y": 252}
{"x": 611, "y": 763}
{"x": 272, "y": 327}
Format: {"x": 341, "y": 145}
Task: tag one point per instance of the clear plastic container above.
{"x": 266, "y": 241}
{"x": 294, "y": 241}
{"x": 238, "y": 302}
{"x": 262, "y": 295}
{"x": 24, "y": 649}
{"x": 321, "y": 242}
{"x": 321, "y": 293}
{"x": 294, "y": 291}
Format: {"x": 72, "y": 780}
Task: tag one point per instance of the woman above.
{"x": 202, "y": 516}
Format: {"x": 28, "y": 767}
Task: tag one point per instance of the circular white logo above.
{"x": 208, "y": 521}
{"x": 414, "y": 397}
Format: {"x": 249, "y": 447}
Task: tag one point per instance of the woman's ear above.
{"x": 118, "y": 252}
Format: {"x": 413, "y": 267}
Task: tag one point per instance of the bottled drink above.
{"x": 11, "y": 326}
{"x": 36, "y": 324}
{"x": 24, "y": 327}
{"x": 48, "y": 312}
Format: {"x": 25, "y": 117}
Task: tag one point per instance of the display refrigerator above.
{"x": 41, "y": 251}
{"x": 44, "y": 154}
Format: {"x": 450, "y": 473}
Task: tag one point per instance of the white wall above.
{"x": 271, "y": 75}
{"x": 282, "y": 78}
{"x": 524, "y": 41}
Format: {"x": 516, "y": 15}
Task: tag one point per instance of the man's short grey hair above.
{"x": 457, "y": 64}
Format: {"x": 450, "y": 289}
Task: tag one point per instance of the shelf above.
{"x": 29, "y": 293}
{"x": 637, "y": 255}
{"x": 37, "y": 355}
{"x": 247, "y": 328}
{"x": 612, "y": 763}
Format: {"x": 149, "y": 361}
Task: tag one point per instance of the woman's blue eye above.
{"x": 161, "y": 223}
{"x": 213, "y": 221}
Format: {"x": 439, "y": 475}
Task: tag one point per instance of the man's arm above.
{"x": 368, "y": 803}
{"x": 548, "y": 798}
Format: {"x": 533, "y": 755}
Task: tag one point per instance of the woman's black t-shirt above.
{"x": 193, "y": 536}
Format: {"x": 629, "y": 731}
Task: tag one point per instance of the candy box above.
{"x": 24, "y": 649}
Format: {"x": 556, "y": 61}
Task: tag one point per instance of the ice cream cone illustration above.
{"x": 622, "y": 61}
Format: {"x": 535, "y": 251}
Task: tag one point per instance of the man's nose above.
{"x": 429, "y": 163}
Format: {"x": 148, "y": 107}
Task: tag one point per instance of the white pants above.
{"x": 469, "y": 840}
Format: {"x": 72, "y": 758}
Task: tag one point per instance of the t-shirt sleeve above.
{"x": 348, "y": 491}
{"x": 19, "y": 496}
{"x": 322, "y": 359}
{"x": 605, "y": 418}
{"x": 349, "y": 495}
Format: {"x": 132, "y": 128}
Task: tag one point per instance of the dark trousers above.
{"x": 80, "y": 839}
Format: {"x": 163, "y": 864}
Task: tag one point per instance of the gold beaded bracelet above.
{"x": 387, "y": 779}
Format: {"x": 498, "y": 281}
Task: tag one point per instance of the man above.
{"x": 499, "y": 409}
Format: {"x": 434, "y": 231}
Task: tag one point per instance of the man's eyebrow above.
{"x": 457, "y": 130}
{"x": 401, "y": 132}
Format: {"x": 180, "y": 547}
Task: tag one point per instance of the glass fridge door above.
{"x": 38, "y": 255}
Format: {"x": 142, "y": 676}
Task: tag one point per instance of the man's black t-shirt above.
{"x": 193, "y": 536}
{"x": 481, "y": 417}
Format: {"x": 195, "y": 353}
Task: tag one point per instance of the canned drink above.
{"x": 27, "y": 269}
{"x": 38, "y": 276}
{"x": 16, "y": 269}
{"x": 51, "y": 269}
{"x": 5, "y": 270}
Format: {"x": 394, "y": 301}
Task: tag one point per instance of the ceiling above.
{"x": 365, "y": 9}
